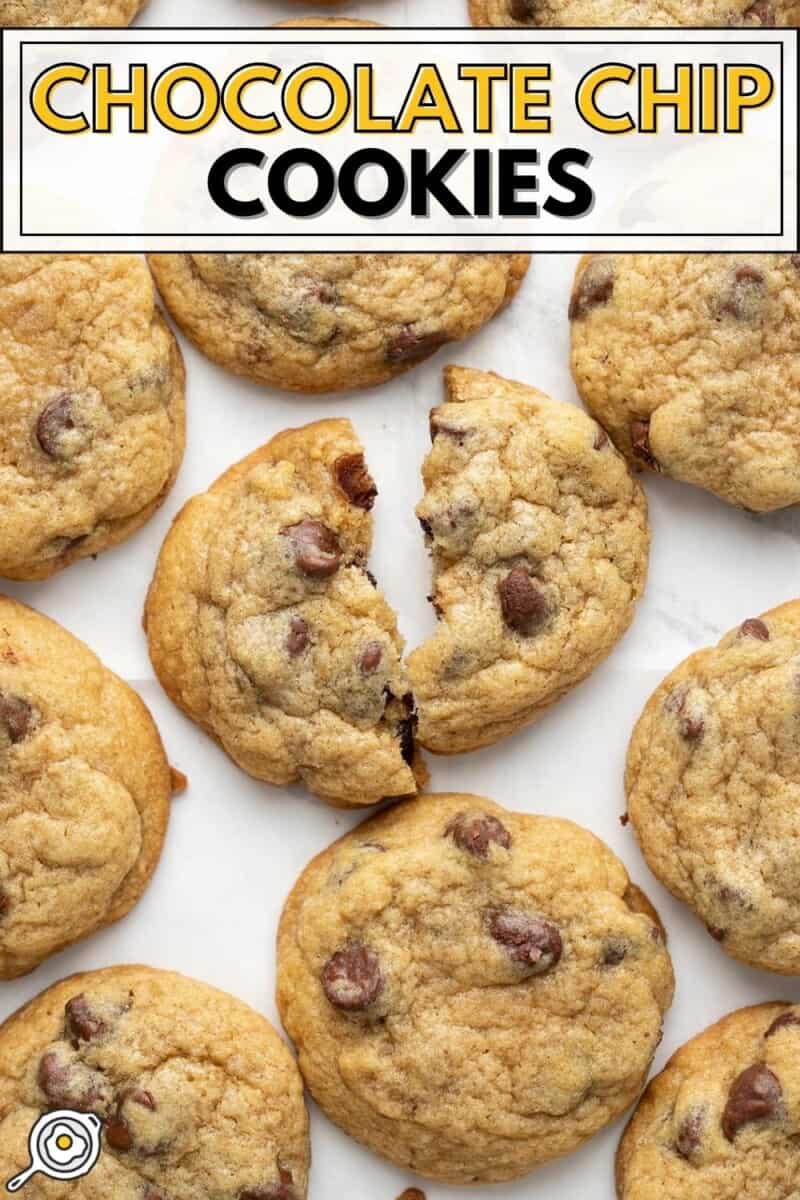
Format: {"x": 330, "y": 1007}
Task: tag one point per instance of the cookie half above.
{"x": 92, "y": 407}
{"x": 266, "y": 628}
{"x": 521, "y": 14}
{"x": 472, "y": 991}
{"x": 84, "y": 791}
{"x": 723, "y": 1117}
{"x": 330, "y": 322}
{"x": 692, "y": 364}
{"x": 199, "y": 1097}
{"x": 540, "y": 546}
{"x": 713, "y": 784}
{"x": 88, "y": 13}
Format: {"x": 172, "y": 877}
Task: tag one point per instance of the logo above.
{"x": 62, "y": 1145}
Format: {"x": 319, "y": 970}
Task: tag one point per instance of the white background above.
{"x": 235, "y": 847}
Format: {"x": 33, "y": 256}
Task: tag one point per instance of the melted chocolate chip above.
{"x": 370, "y": 658}
{"x": 640, "y": 443}
{"x": 66, "y": 1085}
{"x": 744, "y": 295}
{"x": 690, "y": 1133}
{"x": 755, "y": 628}
{"x": 55, "y": 419}
{"x": 406, "y": 731}
{"x": 297, "y": 639}
{"x": 412, "y": 346}
{"x": 315, "y": 547}
{"x": 352, "y": 979}
{"x": 16, "y": 717}
{"x": 426, "y": 527}
{"x": 355, "y": 480}
{"x": 754, "y": 1096}
{"x": 762, "y": 11}
{"x": 594, "y": 287}
{"x": 600, "y": 440}
{"x": 475, "y": 833}
{"x": 118, "y": 1134}
{"x": 787, "y": 1020}
{"x": 530, "y": 941}
{"x": 82, "y": 1023}
{"x": 614, "y": 953}
{"x": 281, "y": 1190}
{"x": 693, "y": 728}
{"x": 522, "y": 10}
{"x": 522, "y": 601}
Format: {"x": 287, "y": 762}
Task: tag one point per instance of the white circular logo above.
{"x": 63, "y": 1145}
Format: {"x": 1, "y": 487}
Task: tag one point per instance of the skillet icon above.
{"x": 62, "y": 1145}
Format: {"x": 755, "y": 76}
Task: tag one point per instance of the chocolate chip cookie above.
{"x": 472, "y": 991}
{"x": 713, "y": 785}
{"x": 69, "y": 12}
{"x": 329, "y": 322}
{"x": 540, "y": 544}
{"x": 267, "y": 629}
{"x": 611, "y": 13}
{"x": 199, "y": 1097}
{"x": 84, "y": 791}
{"x": 92, "y": 407}
{"x": 722, "y": 1118}
{"x": 692, "y": 364}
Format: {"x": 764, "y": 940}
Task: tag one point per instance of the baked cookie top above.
{"x": 329, "y": 322}
{"x": 92, "y": 407}
{"x": 701, "y": 13}
{"x": 692, "y": 364}
{"x": 200, "y": 1098}
{"x": 266, "y": 628}
{"x": 713, "y": 784}
{"x": 472, "y": 991}
{"x": 69, "y": 12}
{"x": 540, "y": 543}
{"x": 84, "y": 791}
{"x": 723, "y": 1117}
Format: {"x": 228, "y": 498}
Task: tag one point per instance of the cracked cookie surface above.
{"x": 266, "y": 628}
{"x": 723, "y": 1117}
{"x": 200, "y": 1098}
{"x": 472, "y": 991}
{"x": 713, "y": 784}
{"x": 14, "y": 13}
{"x": 692, "y": 363}
{"x": 329, "y": 322}
{"x": 92, "y": 408}
{"x": 540, "y": 544}
{"x": 84, "y": 791}
{"x": 709, "y": 13}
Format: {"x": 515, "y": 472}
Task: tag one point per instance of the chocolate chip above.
{"x": 297, "y": 639}
{"x": 690, "y": 1133}
{"x": 316, "y": 548}
{"x": 786, "y": 1020}
{"x": 55, "y": 420}
{"x": 718, "y": 935}
{"x": 755, "y": 628}
{"x": 406, "y": 731}
{"x": 370, "y": 577}
{"x": 754, "y": 1095}
{"x": 522, "y": 10}
{"x": 67, "y": 1085}
{"x": 744, "y": 295}
{"x": 370, "y": 658}
{"x": 412, "y": 346}
{"x": 762, "y": 12}
{"x": 531, "y": 941}
{"x": 625, "y": 820}
{"x": 16, "y": 717}
{"x": 118, "y": 1134}
{"x": 82, "y": 1023}
{"x": 5, "y": 901}
{"x": 522, "y": 601}
{"x": 676, "y": 700}
{"x": 600, "y": 440}
{"x": 614, "y": 953}
{"x": 352, "y": 979}
{"x": 693, "y": 728}
{"x": 475, "y": 833}
{"x": 355, "y": 480}
{"x": 594, "y": 287}
{"x": 640, "y": 443}
{"x": 281, "y": 1190}
{"x": 52, "y": 1077}
{"x": 426, "y": 527}
{"x": 141, "y": 1097}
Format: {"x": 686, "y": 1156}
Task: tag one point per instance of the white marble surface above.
{"x": 235, "y": 847}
